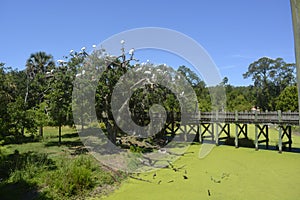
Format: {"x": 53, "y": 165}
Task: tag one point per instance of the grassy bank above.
{"x": 46, "y": 169}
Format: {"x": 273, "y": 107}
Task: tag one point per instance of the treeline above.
{"x": 41, "y": 95}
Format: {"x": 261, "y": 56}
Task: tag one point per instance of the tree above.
{"x": 202, "y": 92}
{"x": 116, "y": 67}
{"x": 38, "y": 66}
{"x": 39, "y": 63}
{"x": 20, "y": 117}
{"x": 225, "y": 81}
{"x": 288, "y": 99}
{"x": 239, "y": 98}
{"x": 5, "y": 98}
{"x": 191, "y": 76}
{"x": 59, "y": 97}
{"x": 13, "y": 113}
{"x": 270, "y": 78}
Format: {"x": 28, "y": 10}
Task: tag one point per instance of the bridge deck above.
{"x": 287, "y": 118}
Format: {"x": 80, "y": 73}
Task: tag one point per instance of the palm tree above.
{"x": 39, "y": 62}
{"x": 37, "y": 65}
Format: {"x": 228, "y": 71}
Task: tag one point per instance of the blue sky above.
{"x": 234, "y": 32}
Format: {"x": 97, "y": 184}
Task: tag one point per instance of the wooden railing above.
{"x": 275, "y": 117}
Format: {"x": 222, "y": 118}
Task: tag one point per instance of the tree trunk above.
{"x": 41, "y": 131}
{"x": 59, "y": 134}
{"x": 114, "y": 133}
{"x": 111, "y": 131}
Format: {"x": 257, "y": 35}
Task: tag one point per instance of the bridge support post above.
{"x": 240, "y": 129}
{"x": 280, "y": 140}
{"x": 217, "y": 129}
{"x": 222, "y": 128}
{"x": 209, "y": 128}
{"x": 286, "y": 131}
{"x": 280, "y": 133}
{"x": 185, "y": 133}
{"x": 217, "y": 134}
{"x": 200, "y": 133}
{"x": 261, "y": 130}
{"x": 256, "y": 138}
{"x": 190, "y": 129}
{"x": 236, "y": 139}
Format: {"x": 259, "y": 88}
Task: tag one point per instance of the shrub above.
{"x": 76, "y": 176}
{"x": 17, "y": 167}
{"x": 138, "y": 149}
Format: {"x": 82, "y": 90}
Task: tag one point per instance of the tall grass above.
{"x": 51, "y": 171}
{"x": 76, "y": 177}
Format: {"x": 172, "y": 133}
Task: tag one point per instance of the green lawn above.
{"x": 49, "y": 143}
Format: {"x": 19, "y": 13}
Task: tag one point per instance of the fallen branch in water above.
{"x": 140, "y": 179}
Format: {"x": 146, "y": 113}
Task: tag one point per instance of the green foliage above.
{"x": 17, "y": 167}
{"x": 6, "y": 96}
{"x": 63, "y": 177}
{"x": 190, "y": 75}
{"x": 271, "y": 77}
{"x": 71, "y": 179}
{"x": 38, "y": 66}
{"x": 239, "y": 98}
{"x": 138, "y": 149}
{"x": 20, "y": 118}
{"x": 59, "y": 97}
{"x": 288, "y": 99}
{"x": 218, "y": 97}
{"x": 76, "y": 176}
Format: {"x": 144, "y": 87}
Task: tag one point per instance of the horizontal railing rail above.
{"x": 274, "y": 117}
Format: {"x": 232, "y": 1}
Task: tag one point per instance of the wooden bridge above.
{"x": 214, "y": 125}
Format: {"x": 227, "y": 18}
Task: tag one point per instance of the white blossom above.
{"x": 61, "y": 61}
{"x": 131, "y": 51}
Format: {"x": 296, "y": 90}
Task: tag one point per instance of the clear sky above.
{"x": 234, "y": 32}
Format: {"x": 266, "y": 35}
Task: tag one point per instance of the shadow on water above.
{"x": 248, "y": 143}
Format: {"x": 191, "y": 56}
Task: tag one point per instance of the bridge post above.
{"x": 280, "y": 133}
{"x": 256, "y": 132}
{"x": 236, "y": 141}
{"x": 217, "y": 128}
{"x": 200, "y": 133}
{"x": 184, "y": 132}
